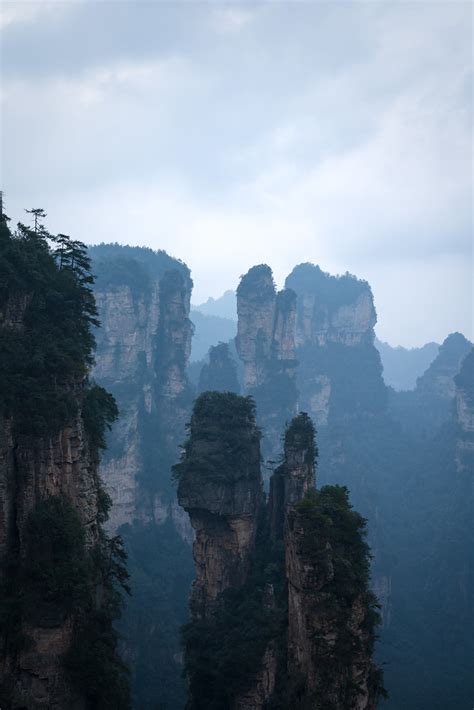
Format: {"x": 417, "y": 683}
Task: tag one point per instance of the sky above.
{"x": 262, "y": 132}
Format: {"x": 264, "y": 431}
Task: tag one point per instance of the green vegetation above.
{"x": 224, "y": 650}
{"x": 330, "y": 538}
{"x": 47, "y": 311}
{"x": 333, "y": 291}
{"x": 300, "y": 434}
{"x": 222, "y": 439}
{"x": 223, "y": 654}
{"x": 118, "y": 265}
{"x": 56, "y": 569}
{"x": 327, "y": 516}
{"x": 257, "y": 283}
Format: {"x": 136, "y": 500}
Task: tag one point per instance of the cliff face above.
{"x": 142, "y": 350}
{"x": 266, "y": 345}
{"x": 223, "y": 499}
{"x": 329, "y": 646}
{"x": 277, "y": 620}
{"x": 32, "y": 471}
{"x": 56, "y": 562}
{"x": 340, "y": 370}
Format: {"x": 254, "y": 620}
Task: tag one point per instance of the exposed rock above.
{"x": 143, "y": 348}
{"x": 329, "y": 645}
{"x": 295, "y": 477}
{"x": 266, "y": 345}
{"x": 221, "y": 493}
{"x": 308, "y": 647}
{"x": 33, "y": 470}
{"x": 339, "y": 365}
{"x": 331, "y": 309}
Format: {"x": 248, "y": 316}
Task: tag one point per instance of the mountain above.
{"x": 143, "y": 349}
{"x": 60, "y": 573}
{"x": 402, "y": 366}
{"x": 281, "y": 613}
{"x": 209, "y": 330}
{"x": 224, "y": 307}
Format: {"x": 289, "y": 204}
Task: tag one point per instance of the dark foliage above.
{"x": 57, "y": 572}
{"x": 333, "y": 291}
{"x": 222, "y": 438}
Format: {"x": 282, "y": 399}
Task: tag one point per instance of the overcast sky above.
{"x": 236, "y": 134}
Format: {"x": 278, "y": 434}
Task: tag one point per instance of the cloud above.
{"x": 241, "y": 133}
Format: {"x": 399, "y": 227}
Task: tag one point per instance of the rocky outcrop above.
{"x": 32, "y": 471}
{"x": 331, "y": 309}
{"x": 295, "y": 477}
{"x": 266, "y": 345}
{"x": 58, "y": 568}
{"x": 329, "y": 646}
{"x": 281, "y": 614}
{"x": 143, "y": 348}
{"x": 339, "y": 371}
{"x": 221, "y": 493}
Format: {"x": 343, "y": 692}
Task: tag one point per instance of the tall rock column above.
{"x": 142, "y": 351}
{"x": 331, "y": 613}
{"x": 220, "y": 487}
{"x": 266, "y": 345}
{"x": 296, "y": 476}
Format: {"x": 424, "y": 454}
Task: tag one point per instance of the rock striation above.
{"x": 222, "y": 493}
{"x": 340, "y": 371}
{"x": 277, "y": 616}
{"x": 143, "y": 347}
{"x": 33, "y": 471}
{"x": 58, "y": 568}
{"x": 265, "y": 343}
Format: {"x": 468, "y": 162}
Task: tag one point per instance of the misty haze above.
{"x": 236, "y": 355}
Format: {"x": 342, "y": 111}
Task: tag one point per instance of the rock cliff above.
{"x": 265, "y": 343}
{"x": 142, "y": 351}
{"x": 339, "y": 371}
{"x": 281, "y": 614}
{"x": 57, "y": 566}
{"x": 220, "y": 487}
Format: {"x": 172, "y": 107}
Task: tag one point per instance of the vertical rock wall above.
{"x": 266, "y": 345}
{"x": 143, "y": 348}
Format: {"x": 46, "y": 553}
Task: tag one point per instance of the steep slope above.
{"x": 59, "y": 569}
{"x": 281, "y": 614}
{"x": 265, "y": 344}
{"x": 142, "y": 353}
